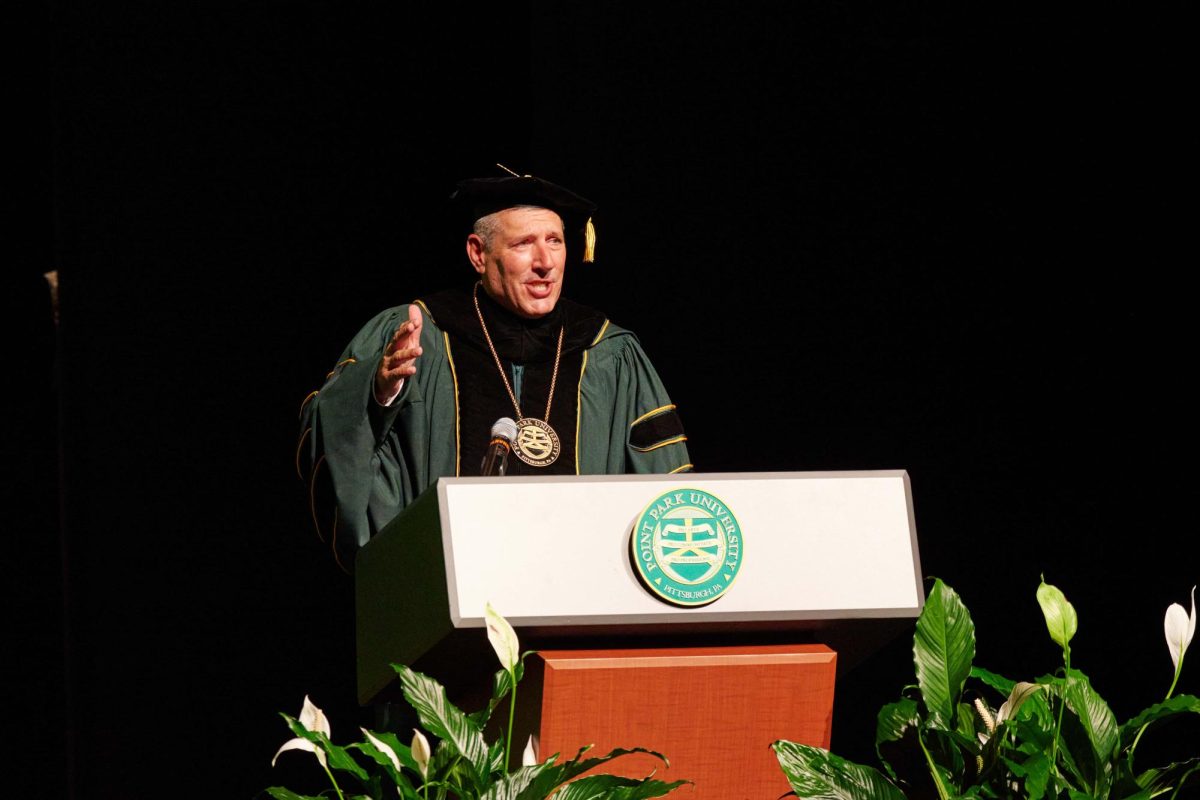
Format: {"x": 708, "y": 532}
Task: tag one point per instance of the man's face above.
{"x": 522, "y": 270}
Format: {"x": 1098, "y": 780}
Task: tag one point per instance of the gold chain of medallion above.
{"x": 537, "y": 443}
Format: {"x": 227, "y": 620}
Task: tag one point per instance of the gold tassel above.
{"x": 589, "y": 242}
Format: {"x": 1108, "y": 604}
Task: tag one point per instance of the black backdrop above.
{"x": 851, "y": 238}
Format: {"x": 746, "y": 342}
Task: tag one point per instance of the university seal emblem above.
{"x": 686, "y": 547}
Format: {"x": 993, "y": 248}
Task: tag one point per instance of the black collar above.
{"x": 518, "y": 340}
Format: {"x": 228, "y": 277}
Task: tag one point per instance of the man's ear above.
{"x": 475, "y": 252}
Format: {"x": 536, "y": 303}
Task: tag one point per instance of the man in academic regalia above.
{"x": 416, "y": 393}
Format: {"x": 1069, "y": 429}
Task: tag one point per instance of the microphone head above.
{"x": 504, "y": 428}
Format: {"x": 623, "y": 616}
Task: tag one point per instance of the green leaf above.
{"x": 555, "y": 774}
{"x": 998, "y": 682}
{"x": 1180, "y": 775}
{"x": 943, "y": 777}
{"x": 1060, "y": 615}
{"x": 968, "y": 720}
{"x": 501, "y": 686}
{"x": 1069, "y": 764}
{"x": 444, "y": 720}
{"x": 496, "y": 756}
{"x": 339, "y": 759}
{"x": 299, "y": 729}
{"x": 593, "y": 786}
{"x": 510, "y": 786}
{"x": 449, "y": 769}
{"x": 551, "y": 776}
{"x": 819, "y": 774}
{"x": 545, "y": 781}
{"x": 1035, "y": 771}
{"x": 644, "y": 789}
{"x": 615, "y": 787}
{"x": 280, "y": 793}
{"x": 403, "y": 754}
{"x": 372, "y": 789}
{"x": 951, "y": 752}
{"x": 1098, "y": 722}
{"x": 502, "y": 683}
{"x": 578, "y": 766}
{"x": 402, "y": 751}
{"x": 1180, "y": 704}
{"x": 943, "y": 648}
{"x": 1036, "y": 708}
{"x": 894, "y": 719}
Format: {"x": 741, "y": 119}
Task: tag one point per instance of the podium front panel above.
{"x": 556, "y": 551}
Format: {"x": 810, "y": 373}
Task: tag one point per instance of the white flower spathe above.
{"x": 1021, "y": 692}
{"x": 529, "y": 756}
{"x": 313, "y": 719}
{"x": 1179, "y": 627}
{"x": 503, "y": 638}
{"x": 421, "y": 752}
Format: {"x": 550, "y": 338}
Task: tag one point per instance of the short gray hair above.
{"x": 486, "y": 227}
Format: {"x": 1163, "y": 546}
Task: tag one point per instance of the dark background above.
{"x": 950, "y": 241}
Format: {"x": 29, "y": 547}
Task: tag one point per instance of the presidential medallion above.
{"x": 536, "y": 444}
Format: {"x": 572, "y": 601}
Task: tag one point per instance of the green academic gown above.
{"x": 364, "y": 463}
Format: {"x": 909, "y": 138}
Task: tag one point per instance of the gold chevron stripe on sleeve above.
{"x": 675, "y": 440}
{"x": 655, "y": 412}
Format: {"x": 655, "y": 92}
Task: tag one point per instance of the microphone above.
{"x": 495, "y": 458}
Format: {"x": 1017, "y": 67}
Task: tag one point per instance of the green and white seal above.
{"x": 686, "y": 547}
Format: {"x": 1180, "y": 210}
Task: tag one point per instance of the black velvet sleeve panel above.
{"x": 656, "y": 428}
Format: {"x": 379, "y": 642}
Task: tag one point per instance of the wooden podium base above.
{"x": 713, "y": 711}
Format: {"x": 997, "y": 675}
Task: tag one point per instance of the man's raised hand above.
{"x": 399, "y": 357}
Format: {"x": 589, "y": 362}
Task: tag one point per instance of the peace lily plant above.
{"x": 462, "y": 765}
{"x": 1054, "y": 737}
